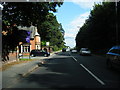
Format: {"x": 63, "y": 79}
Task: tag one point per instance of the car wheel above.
{"x": 32, "y": 55}
{"x": 45, "y": 55}
{"x": 109, "y": 64}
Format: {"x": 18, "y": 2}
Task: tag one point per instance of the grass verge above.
{"x": 25, "y": 59}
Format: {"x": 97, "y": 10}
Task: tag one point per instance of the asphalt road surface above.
{"x": 69, "y": 70}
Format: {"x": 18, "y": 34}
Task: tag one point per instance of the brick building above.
{"x": 33, "y": 41}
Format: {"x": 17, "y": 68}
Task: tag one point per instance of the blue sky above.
{"x": 72, "y": 16}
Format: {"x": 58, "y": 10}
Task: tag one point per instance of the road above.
{"x": 67, "y": 70}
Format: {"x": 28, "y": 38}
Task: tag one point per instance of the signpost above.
{"x": 48, "y": 44}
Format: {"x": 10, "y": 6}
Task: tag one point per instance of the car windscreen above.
{"x": 114, "y": 52}
{"x": 84, "y": 49}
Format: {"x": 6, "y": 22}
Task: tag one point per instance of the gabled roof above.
{"x": 32, "y": 29}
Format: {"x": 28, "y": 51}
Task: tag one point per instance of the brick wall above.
{"x": 32, "y": 44}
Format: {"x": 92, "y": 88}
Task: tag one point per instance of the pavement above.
{"x": 15, "y": 72}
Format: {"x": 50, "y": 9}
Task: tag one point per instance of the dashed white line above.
{"x": 100, "y": 81}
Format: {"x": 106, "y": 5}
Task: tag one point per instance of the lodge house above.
{"x": 33, "y": 40}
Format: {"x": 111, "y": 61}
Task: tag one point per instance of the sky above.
{"x": 72, "y": 15}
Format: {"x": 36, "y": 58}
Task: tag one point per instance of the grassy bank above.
{"x": 25, "y": 59}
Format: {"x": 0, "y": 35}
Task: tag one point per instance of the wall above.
{"x": 32, "y": 44}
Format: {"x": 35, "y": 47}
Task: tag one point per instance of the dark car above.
{"x": 113, "y": 57}
{"x": 39, "y": 53}
{"x": 64, "y": 50}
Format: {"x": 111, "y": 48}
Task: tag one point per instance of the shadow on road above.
{"x": 57, "y": 75}
{"x": 60, "y": 72}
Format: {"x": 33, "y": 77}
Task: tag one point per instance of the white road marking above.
{"x": 74, "y": 59}
{"x": 100, "y": 81}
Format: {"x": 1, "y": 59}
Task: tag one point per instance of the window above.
{"x": 26, "y": 49}
{"x": 115, "y": 51}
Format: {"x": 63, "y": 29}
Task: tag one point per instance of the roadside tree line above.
{"x": 101, "y": 30}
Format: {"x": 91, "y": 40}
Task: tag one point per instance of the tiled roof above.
{"x": 32, "y": 29}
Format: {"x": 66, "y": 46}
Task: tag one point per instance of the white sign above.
{"x": 47, "y": 43}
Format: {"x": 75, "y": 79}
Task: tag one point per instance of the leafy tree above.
{"x": 52, "y": 31}
{"x": 99, "y": 30}
{"x": 22, "y": 13}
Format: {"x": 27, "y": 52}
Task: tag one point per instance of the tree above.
{"x": 99, "y": 30}
{"x": 22, "y": 13}
{"x": 52, "y": 31}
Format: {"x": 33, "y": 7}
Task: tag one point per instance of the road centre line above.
{"x": 100, "y": 81}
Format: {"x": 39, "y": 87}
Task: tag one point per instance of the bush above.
{"x": 55, "y": 48}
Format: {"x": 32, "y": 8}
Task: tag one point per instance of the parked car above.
{"x": 113, "y": 57}
{"x": 64, "y": 50}
{"x": 85, "y": 51}
{"x": 37, "y": 52}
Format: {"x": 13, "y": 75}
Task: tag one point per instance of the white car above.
{"x": 85, "y": 51}
{"x": 74, "y": 51}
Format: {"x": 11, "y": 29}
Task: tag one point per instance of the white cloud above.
{"x": 70, "y": 42}
{"x": 69, "y": 35}
{"x": 70, "y": 39}
{"x": 73, "y": 28}
{"x": 86, "y": 4}
{"x": 80, "y": 20}
{"x": 76, "y": 23}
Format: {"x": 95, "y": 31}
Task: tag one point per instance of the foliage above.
{"x": 11, "y": 37}
{"x": 55, "y": 48}
{"x": 43, "y": 43}
{"x": 52, "y": 31}
{"x": 99, "y": 30}
{"x": 22, "y": 13}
